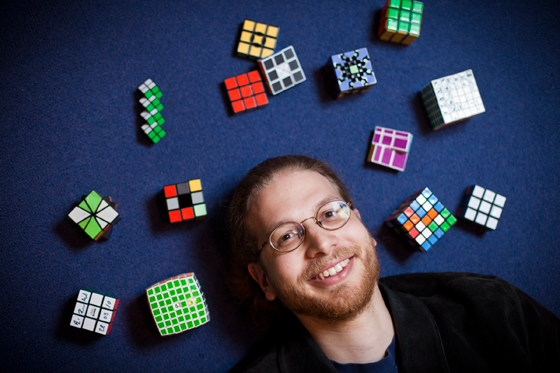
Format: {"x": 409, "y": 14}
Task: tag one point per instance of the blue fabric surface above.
{"x": 71, "y": 124}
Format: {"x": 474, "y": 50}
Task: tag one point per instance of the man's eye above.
{"x": 286, "y": 237}
{"x": 329, "y": 215}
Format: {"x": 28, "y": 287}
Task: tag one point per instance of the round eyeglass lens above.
{"x": 333, "y": 215}
{"x": 287, "y": 237}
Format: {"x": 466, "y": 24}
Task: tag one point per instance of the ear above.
{"x": 357, "y": 213}
{"x": 258, "y": 274}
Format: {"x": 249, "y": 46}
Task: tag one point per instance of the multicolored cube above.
{"x": 421, "y": 219}
{"x": 154, "y": 131}
{"x": 452, "y": 99}
{"x": 246, "y": 92}
{"x": 94, "y": 311}
{"x": 257, "y": 40}
{"x": 178, "y": 304}
{"x": 352, "y": 72}
{"x": 282, "y": 70}
{"x": 482, "y": 206}
{"x": 390, "y": 148}
{"x": 152, "y": 114}
{"x": 185, "y": 201}
{"x": 95, "y": 215}
{"x": 401, "y": 21}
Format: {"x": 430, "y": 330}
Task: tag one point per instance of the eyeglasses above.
{"x": 289, "y": 236}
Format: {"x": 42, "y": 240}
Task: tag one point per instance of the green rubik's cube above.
{"x": 154, "y": 131}
{"x": 178, "y": 304}
{"x": 149, "y": 89}
{"x": 400, "y": 21}
{"x": 95, "y": 215}
{"x": 152, "y": 114}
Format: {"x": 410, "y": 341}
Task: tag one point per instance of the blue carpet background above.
{"x": 70, "y": 124}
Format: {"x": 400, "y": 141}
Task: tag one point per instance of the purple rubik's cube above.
{"x": 390, "y": 148}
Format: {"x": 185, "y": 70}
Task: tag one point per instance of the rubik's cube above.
{"x": 94, "y": 311}
{"x": 95, "y": 215}
{"x": 246, "y": 92}
{"x": 152, "y": 114}
{"x": 185, "y": 201}
{"x": 482, "y": 206}
{"x": 352, "y": 72}
{"x": 257, "y": 40}
{"x": 178, "y": 304}
{"x": 421, "y": 219}
{"x": 282, "y": 70}
{"x": 451, "y": 99}
{"x": 400, "y": 21}
{"x": 390, "y": 148}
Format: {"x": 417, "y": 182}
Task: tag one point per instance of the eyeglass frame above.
{"x": 318, "y": 222}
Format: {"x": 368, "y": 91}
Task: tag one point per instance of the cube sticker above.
{"x": 452, "y": 99}
{"x": 257, "y": 40}
{"x": 246, "y": 92}
{"x": 185, "y": 201}
{"x": 95, "y": 215}
{"x": 482, "y": 206}
{"x": 282, "y": 70}
{"x": 94, "y": 311}
{"x": 152, "y": 114}
{"x": 178, "y": 304}
{"x": 421, "y": 220}
{"x": 352, "y": 72}
{"x": 390, "y": 148}
{"x": 401, "y": 21}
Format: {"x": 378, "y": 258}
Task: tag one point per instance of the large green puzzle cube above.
{"x": 178, "y": 304}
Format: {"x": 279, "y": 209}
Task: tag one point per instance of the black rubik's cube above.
{"x": 351, "y": 72}
{"x": 482, "y": 206}
{"x": 152, "y": 114}
{"x": 282, "y": 70}
{"x": 246, "y": 92}
{"x": 257, "y": 40}
{"x": 94, "y": 311}
{"x": 185, "y": 201}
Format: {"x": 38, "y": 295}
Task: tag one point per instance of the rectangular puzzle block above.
{"x": 95, "y": 215}
{"x": 452, "y": 99}
{"x": 390, "y": 148}
{"x": 482, "y": 206}
{"x": 282, "y": 70}
{"x": 401, "y": 21}
{"x": 185, "y": 201}
{"x": 246, "y": 92}
{"x": 257, "y": 40}
{"x": 94, "y": 311}
{"x": 178, "y": 304}
{"x": 351, "y": 72}
{"x": 152, "y": 114}
{"x": 421, "y": 219}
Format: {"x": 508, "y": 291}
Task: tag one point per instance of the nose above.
{"x": 318, "y": 241}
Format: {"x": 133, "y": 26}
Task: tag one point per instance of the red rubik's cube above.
{"x": 246, "y": 91}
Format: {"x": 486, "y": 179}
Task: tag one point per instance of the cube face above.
{"x": 282, "y": 70}
{"x": 178, "y": 304}
{"x": 421, "y": 219}
{"x": 185, "y": 201}
{"x": 352, "y": 72}
{"x": 152, "y": 114}
{"x": 482, "y": 206}
{"x": 390, "y": 148}
{"x": 94, "y": 311}
{"x": 401, "y": 21}
{"x": 452, "y": 99}
{"x": 95, "y": 215}
{"x": 246, "y": 92}
{"x": 257, "y": 40}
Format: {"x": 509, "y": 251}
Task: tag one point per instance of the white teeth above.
{"x": 326, "y": 274}
{"x": 321, "y": 277}
{"x": 338, "y": 267}
{"x": 333, "y": 270}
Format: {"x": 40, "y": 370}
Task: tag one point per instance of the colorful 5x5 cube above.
{"x": 482, "y": 206}
{"x": 352, "y": 72}
{"x": 185, "y": 201}
{"x": 401, "y": 21}
{"x": 257, "y": 40}
{"x": 94, "y": 311}
{"x": 246, "y": 92}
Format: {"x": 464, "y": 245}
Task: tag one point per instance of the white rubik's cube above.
{"x": 390, "y": 148}
{"x": 94, "y": 311}
{"x": 282, "y": 70}
{"x": 451, "y": 99}
{"x": 482, "y": 206}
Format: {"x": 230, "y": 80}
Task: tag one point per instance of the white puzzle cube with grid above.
{"x": 178, "y": 304}
{"x": 94, "y": 311}
{"x": 282, "y": 70}
{"x": 482, "y": 206}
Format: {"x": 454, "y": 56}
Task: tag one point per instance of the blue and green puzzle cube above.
{"x": 401, "y": 21}
{"x": 352, "y": 72}
{"x": 178, "y": 304}
{"x": 95, "y": 215}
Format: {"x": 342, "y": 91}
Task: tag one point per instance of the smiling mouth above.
{"x": 332, "y": 271}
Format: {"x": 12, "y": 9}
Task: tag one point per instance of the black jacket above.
{"x": 444, "y": 322}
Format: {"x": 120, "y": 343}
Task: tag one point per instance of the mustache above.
{"x": 319, "y": 263}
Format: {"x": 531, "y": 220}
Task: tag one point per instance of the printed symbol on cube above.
{"x": 390, "y": 148}
{"x": 152, "y": 114}
{"x": 178, "y": 304}
{"x": 246, "y": 92}
{"x": 400, "y": 21}
{"x": 482, "y": 206}
{"x": 257, "y": 40}
{"x": 351, "y": 72}
{"x": 95, "y": 215}
{"x": 94, "y": 311}
{"x": 185, "y": 201}
{"x": 421, "y": 219}
{"x": 452, "y": 99}
{"x": 282, "y": 70}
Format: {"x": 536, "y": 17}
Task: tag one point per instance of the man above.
{"x": 296, "y": 232}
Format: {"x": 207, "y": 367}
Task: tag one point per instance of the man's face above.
{"x": 347, "y": 254}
